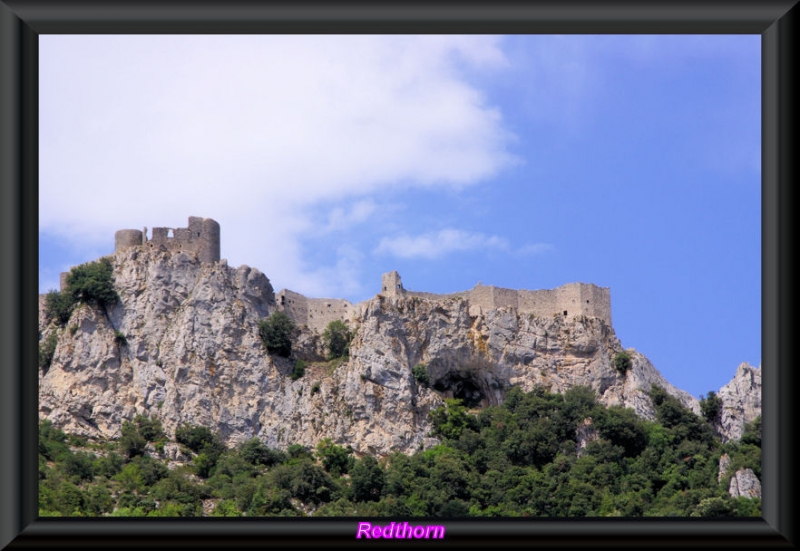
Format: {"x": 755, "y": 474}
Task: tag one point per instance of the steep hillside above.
{"x": 182, "y": 344}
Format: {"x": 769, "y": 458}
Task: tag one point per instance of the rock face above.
{"x": 191, "y": 354}
{"x": 745, "y": 484}
{"x": 741, "y": 402}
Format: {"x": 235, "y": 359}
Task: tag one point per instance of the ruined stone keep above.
{"x": 200, "y": 238}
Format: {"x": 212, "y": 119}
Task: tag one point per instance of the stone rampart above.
{"x": 314, "y": 313}
{"x": 570, "y": 300}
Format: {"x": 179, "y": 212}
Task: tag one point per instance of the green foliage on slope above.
{"x": 517, "y": 459}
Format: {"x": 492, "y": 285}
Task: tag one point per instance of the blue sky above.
{"x": 631, "y": 162}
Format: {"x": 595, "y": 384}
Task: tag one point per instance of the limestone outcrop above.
{"x": 741, "y": 402}
{"x": 744, "y": 483}
{"x": 182, "y": 345}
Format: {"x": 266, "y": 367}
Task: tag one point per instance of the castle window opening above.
{"x": 169, "y": 233}
{"x": 565, "y": 312}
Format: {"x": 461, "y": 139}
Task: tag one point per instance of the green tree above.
{"x": 336, "y": 339}
{"x": 194, "y": 437}
{"x": 752, "y": 433}
{"x": 150, "y": 428}
{"x": 256, "y": 453}
{"x": 450, "y": 419}
{"x": 367, "y": 479}
{"x": 131, "y": 444}
{"x": 711, "y": 406}
{"x": 336, "y": 459}
{"x": 276, "y": 333}
{"x": 59, "y": 306}
{"x": 93, "y": 282}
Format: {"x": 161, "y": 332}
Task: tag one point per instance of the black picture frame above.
{"x": 21, "y": 21}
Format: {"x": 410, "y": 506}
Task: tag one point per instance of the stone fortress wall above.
{"x": 314, "y": 313}
{"x": 570, "y": 300}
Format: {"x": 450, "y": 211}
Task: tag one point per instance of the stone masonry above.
{"x": 570, "y": 300}
{"x": 200, "y": 238}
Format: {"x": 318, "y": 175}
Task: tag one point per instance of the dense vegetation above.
{"x": 517, "y": 459}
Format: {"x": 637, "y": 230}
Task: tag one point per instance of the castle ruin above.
{"x": 314, "y": 313}
{"x": 570, "y": 300}
{"x": 201, "y": 238}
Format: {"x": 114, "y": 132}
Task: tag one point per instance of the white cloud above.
{"x": 255, "y": 132}
{"x": 340, "y": 219}
{"x": 438, "y": 244}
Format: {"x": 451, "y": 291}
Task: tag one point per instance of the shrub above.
{"x": 335, "y": 459}
{"x": 622, "y": 362}
{"x": 752, "y": 433}
{"x": 711, "y": 406}
{"x": 421, "y": 374}
{"x": 93, "y": 282}
{"x": 194, "y": 438}
{"x": 47, "y": 350}
{"x": 336, "y": 339}
{"x": 314, "y": 388}
{"x": 298, "y": 370}
{"x": 58, "y": 306}
{"x": 276, "y": 334}
{"x": 256, "y": 453}
{"x": 367, "y": 479}
{"x": 131, "y": 443}
{"x": 150, "y": 428}
{"x": 120, "y": 338}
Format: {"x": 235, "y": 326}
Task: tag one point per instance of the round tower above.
{"x": 127, "y": 238}
{"x": 208, "y": 242}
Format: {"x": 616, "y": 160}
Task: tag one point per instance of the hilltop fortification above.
{"x": 200, "y": 238}
{"x": 570, "y": 300}
{"x": 192, "y": 353}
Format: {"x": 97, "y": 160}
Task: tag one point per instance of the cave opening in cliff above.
{"x": 462, "y": 386}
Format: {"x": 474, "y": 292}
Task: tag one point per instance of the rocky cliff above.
{"x": 182, "y": 344}
{"x": 741, "y": 402}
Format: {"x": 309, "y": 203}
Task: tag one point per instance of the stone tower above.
{"x": 128, "y": 238}
{"x": 391, "y": 285}
{"x": 200, "y": 238}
